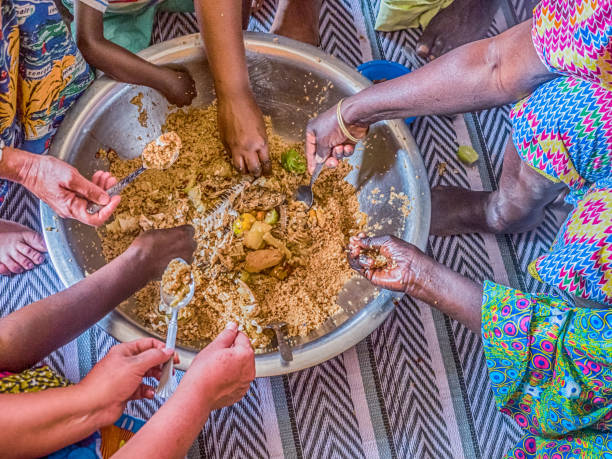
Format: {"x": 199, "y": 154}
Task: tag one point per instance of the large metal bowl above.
{"x": 288, "y": 79}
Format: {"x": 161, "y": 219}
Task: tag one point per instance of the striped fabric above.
{"x": 418, "y": 386}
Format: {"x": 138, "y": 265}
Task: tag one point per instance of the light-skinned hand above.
{"x": 117, "y": 378}
{"x": 67, "y": 192}
{"x": 224, "y": 369}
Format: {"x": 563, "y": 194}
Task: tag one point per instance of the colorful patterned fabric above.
{"x": 574, "y": 37}
{"x": 101, "y": 444}
{"x": 42, "y": 73}
{"x": 550, "y": 366}
{"x": 33, "y": 380}
{"x": 564, "y": 131}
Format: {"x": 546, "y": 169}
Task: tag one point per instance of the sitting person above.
{"x": 53, "y": 413}
{"x": 42, "y": 74}
{"x": 550, "y": 149}
{"x": 549, "y": 362}
{"x": 240, "y": 120}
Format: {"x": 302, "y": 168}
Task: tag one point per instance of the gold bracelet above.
{"x": 343, "y": 128}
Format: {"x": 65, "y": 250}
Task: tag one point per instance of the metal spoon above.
{"x": 167, "y": 383}
{"x": 304, "y": 192}
{"x": 114, "y": 190}
{"x": 283, "y": 346}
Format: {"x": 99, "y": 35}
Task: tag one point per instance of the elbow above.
{"x": 494, "y": 68}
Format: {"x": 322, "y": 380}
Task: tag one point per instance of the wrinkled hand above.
{"x": 160, "y": 246}
{"x": 406, "y": 264}
{"x": 224, "y": 369}
{"x": 243, "y": 133}
{"x": 118, "y": 377}
{"x": 67, "y": 192}
{"x": 326, "y": 142}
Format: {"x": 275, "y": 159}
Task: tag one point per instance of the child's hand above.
{"x": 156, "y": 248}
{"x": 224, "y": 369}
{"x": 117, "y": 378}
{"x": 243, "y": 133}
{"x": 178, "y": 87}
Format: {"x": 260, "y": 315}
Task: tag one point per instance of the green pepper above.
{"x": 271, "y": 217}
{"x": 293, "y": 161}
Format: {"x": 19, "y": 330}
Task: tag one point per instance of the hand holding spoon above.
{"x": 159, "y": 154}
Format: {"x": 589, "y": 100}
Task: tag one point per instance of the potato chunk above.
{"x": 259, "y": 260}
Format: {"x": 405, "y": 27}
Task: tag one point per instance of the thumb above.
{"x": 80, "y": 185}
{"x": 151, "y": 358}
{"x": 226, "y": 338}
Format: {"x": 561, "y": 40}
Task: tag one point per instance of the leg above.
{"x": 20, "y": 248}
{"x": 298, "y": 19}
{"x": 515, "y": 207}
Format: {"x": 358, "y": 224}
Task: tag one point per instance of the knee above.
{"x": 506, "y": 217}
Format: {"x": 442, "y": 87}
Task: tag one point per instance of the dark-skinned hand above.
{"x": 179, "y": 87}
{"x": 326, "y": 142}
{"x": 406, "y": 264}
{"x": 243, "y": 133}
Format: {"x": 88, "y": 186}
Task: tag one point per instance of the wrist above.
{"x": 229, "y": 92}
{"x": 93, "y": 413}
{"x": 353, "y": 114}
{"x": 16, "y": 164}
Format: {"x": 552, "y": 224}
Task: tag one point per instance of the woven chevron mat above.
{"x": 418, "y": 386}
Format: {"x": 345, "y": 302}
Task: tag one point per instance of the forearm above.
{"x": 479, "y": 75}
{"x": 15, "y": 164}
{"x": 175, "y": 426}
{"x": 452, "y": 294}
{"x": 114, "y": 60}
{"x": 39, "y": 423}
{"x": 33, "y": 332}
{"x": 221, "y": 29}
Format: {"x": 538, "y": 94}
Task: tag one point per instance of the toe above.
{"x": 32, "y": 254}
{"x": 13, "y": 266}
{"x": 23, "y": 261}
{"x": 425, "y": 43}
{"x": 437, "y": 49}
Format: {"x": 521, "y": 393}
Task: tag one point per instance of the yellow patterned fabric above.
{"x": 33, "y": 380}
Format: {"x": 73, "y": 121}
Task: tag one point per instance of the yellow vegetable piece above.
{"x": 254, "y": 239}
{"x": 243, "y": 223}
{"x": 271, "y": 217}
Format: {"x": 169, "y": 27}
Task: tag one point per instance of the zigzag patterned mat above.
{"x": 418, "y": 386}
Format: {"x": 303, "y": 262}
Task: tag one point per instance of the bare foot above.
{"x": 298, "y": 19}
{"x": 21, "y": 248}
{"x": 463, "y": 21}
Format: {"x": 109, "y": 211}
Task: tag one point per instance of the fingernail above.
{"x": 231, "y": 326}
{"x": 168, "y": 351}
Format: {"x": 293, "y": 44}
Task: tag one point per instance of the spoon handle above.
{"x": 316, "y": 173}
{"x": 116, "y": 189}
{"x": 165, "y": 388}
{"x": 283, "y": 347}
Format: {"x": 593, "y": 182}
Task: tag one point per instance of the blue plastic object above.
{"x": 383, "y": 70}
